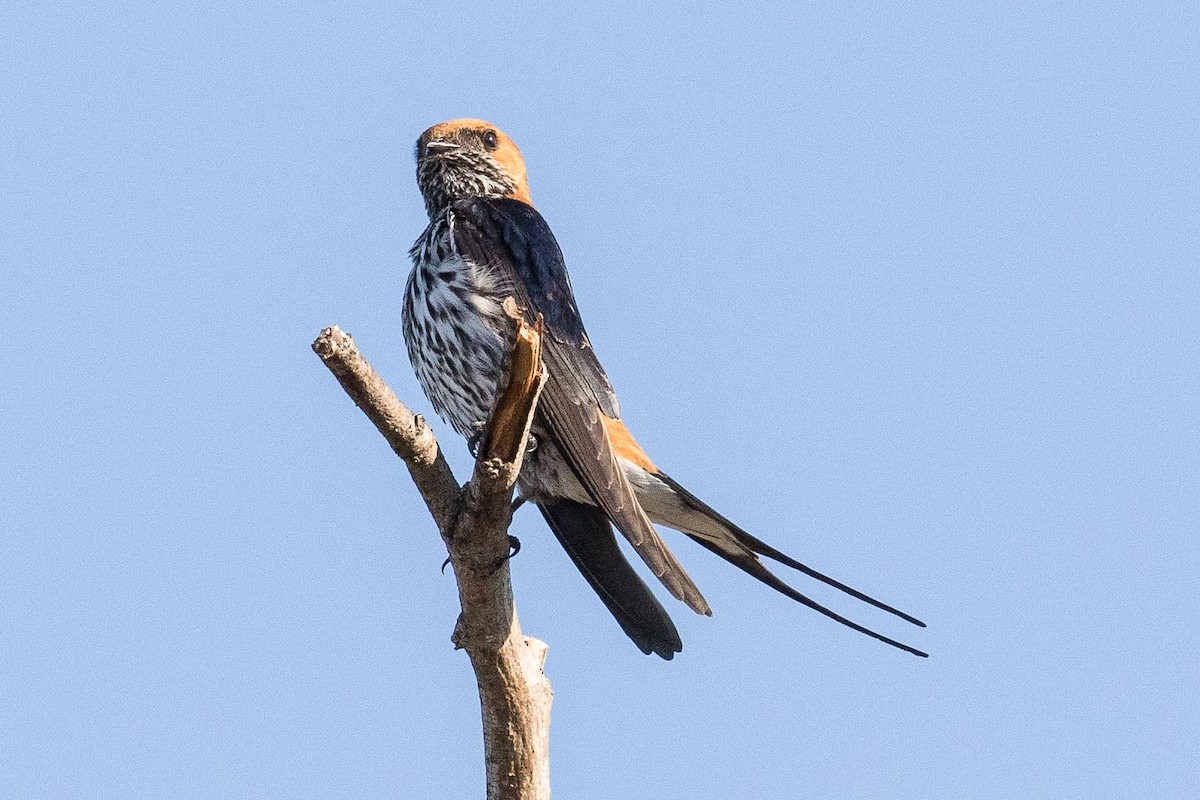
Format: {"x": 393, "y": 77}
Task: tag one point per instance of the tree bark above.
{"x": 473, "y": 521}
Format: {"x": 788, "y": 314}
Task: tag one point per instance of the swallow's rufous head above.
{"x": 468, "y": 158}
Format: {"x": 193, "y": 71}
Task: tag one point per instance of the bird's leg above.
{"x": 474, "y": 438}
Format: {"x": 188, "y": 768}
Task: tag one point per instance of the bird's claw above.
{"x": 514, "y": 545}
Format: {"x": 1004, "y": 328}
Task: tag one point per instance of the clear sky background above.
{"x": 910, "y": 292}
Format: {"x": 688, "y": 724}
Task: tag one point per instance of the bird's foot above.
{"x": 531, "y": 442}
{"x": 514, "y": 546}
{"x": 474, "y": 439}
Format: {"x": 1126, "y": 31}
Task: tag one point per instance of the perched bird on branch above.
{"x": 485, "y": 243}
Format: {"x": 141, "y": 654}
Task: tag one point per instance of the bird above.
{"x": 486, "y": 245}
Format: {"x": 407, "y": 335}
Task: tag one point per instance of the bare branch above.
{"x": 406, "y": 432}
{"x": 514, "y": 693}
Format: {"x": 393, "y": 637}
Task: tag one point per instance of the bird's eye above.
{"x": 490, "y": 140}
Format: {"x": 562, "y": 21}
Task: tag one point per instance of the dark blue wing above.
{"x": 509, "y": 235}
{"x": 510, "y": 239}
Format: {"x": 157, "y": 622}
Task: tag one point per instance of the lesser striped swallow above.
{"x": 485, "y": 242}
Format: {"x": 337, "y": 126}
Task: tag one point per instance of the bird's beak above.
{"x": 437, "y": 146}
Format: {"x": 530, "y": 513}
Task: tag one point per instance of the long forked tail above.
{"x": 586, "y": 534}
{"x": 695, "y": 518}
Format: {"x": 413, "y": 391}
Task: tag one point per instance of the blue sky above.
{"x": 910, "y": 293}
